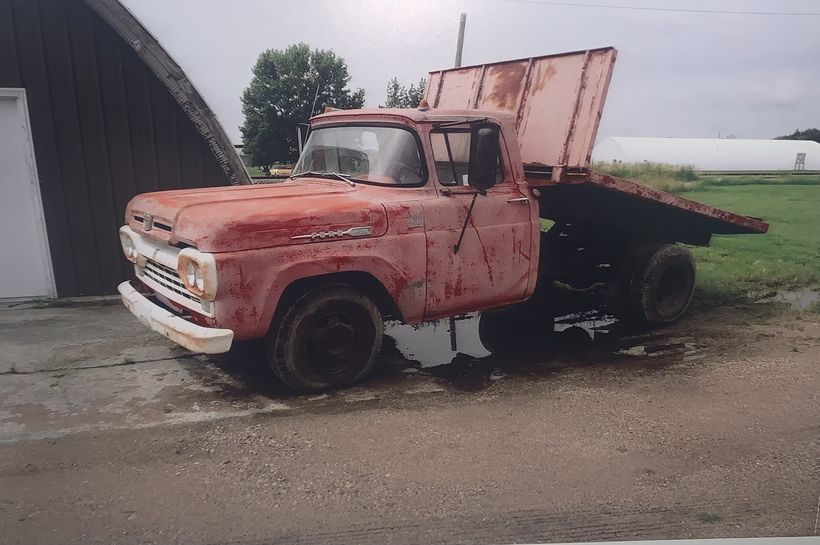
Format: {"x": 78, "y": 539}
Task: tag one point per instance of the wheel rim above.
{"x": 672, "y": 291}
{"x": 337, "y": 342}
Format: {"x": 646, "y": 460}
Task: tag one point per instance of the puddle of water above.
{"x": 592, "y": 322}
{"x": 588, "y": 338}
{"x": 798, "y": 299}
{"x": 432, "y": 343}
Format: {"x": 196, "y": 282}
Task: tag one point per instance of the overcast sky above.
{"x": 677, "y": 74}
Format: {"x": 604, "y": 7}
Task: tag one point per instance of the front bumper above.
{"x": 195, "y": 338}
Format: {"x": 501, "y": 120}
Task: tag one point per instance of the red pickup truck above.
{"x": 414, "y": 215}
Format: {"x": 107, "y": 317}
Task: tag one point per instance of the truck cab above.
{"x": 475, "y": 245}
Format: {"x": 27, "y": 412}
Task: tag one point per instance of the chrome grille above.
{"x": 169, "y": 279}
{"x": 155, "y": 223}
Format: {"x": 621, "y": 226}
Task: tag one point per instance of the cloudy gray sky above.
{"x": 677, "y": 74}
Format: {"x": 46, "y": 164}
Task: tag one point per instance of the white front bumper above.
{"x": 195, "y": 338}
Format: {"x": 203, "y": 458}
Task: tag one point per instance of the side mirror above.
{"x": 481, "y": 172}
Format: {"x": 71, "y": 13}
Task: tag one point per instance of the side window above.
{"x": 451, "y": 154}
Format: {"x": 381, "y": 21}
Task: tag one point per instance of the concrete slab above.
{"x": 90, "y": 366}
{"x": 52, "y": 337}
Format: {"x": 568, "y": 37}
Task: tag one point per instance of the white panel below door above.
{"x": 25, "y": 263}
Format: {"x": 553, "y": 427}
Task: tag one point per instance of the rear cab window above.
{"x": 451, "y": 156}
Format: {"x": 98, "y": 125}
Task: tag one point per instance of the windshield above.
{"x": 380, "y": 155}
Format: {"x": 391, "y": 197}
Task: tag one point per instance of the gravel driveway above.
{"x": 710, "y": 428}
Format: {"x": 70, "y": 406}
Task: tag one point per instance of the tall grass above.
{"x": 758, "y": 179}
{"x": 674, "y": 178}
{"x": 682, "y": 178}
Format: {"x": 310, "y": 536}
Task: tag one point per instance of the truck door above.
{"x": 492, "y": 265}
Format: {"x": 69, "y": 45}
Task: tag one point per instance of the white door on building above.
{"x": 25, "y": 262}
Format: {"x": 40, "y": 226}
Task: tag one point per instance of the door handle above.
{"x": 522, "y": 200}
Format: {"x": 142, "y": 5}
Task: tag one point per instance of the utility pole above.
{"x": 460, "y": 46}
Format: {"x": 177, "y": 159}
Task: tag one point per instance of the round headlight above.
{"x": 197, "y": 271}
{"x": 129, "y": 249}
{"x": 193, "y": 279}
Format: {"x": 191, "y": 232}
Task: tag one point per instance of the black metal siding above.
{"x": 104, "y": 127}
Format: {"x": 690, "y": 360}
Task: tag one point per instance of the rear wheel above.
{"x": 655, "y": 284}
{"x": 329, "y": 338}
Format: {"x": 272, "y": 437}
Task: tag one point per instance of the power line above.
{"x": 673, "y": 10}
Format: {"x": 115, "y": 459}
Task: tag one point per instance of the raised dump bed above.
{"x": 557, "y": 101}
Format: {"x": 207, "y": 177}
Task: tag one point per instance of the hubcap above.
{"x": 337, "y": 342}
{"x": 673, "y": 288}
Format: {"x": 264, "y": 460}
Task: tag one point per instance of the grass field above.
{"x": 788, "y": 256}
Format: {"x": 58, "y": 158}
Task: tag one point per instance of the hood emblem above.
{"x": 351, "y": 232}
{"x": 147, "y": 222}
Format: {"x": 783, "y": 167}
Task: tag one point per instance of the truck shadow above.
{"x": 572, "y": 342}
{"x": 460, "y": 361}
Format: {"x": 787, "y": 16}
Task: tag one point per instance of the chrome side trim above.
{"x": 351, "y": 232}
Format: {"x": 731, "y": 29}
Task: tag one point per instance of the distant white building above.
{"x": 711, "y": 153}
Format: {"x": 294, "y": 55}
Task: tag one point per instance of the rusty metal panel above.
{"x": 609, "y": 202}
{"x": 557, "y": 100}
{"x": 723, "y": 222}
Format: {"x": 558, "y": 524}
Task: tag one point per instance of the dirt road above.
{"x": 710, "y": 428}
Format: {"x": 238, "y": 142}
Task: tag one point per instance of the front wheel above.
{"x": 329, "y": 338}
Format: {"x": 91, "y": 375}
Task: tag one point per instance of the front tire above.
{"x": 329, "y": 338}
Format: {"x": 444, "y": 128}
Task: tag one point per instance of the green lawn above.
{"x": 787, "y": 256}
{"x": 255, "y": 171}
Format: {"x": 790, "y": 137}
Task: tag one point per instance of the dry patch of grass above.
{"x": 684, "y": 178}
{"x": 673, "y": 178}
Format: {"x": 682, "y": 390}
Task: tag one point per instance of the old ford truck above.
{"x": 414, "y": 215}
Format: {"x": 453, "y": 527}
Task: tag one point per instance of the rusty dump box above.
{"x": 558, "y": 101}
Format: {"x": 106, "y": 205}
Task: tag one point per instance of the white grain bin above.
{"x": 710, "y": 153}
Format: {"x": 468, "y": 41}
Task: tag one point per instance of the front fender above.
{"x": 252, "y": 282}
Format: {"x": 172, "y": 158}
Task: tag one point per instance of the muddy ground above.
{"x": 709, "y": 428}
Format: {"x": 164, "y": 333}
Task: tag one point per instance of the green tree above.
{"x": 399, "y": 96}
{"x": 808, "y": 134}
{"x": 281, "y": 95}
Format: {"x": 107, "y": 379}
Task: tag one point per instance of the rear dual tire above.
{"x": 654, "y": 285}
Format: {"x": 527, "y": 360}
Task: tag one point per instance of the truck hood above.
{"x": 229, "y": 219}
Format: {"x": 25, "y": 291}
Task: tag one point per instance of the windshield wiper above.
{"x": 338, "y": 176}
{"x": 471, "y": 122}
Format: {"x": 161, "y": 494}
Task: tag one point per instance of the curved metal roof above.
{"x": 148, "y": 48}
